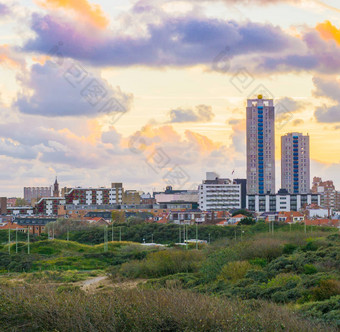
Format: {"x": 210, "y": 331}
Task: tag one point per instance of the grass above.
{"x": 70, "y": 309}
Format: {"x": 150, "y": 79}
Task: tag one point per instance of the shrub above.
{"x": 266, "y": 248}
{"x": 283, "y": 279}
{"x": 289, "y": 248}
{"x": 326, "y": 289}
{"x": 258, "y": 261}
{"x": 309, "y": 269}
{"x": 213, "y": 265}
{"x": 233, "y": 271}
{"x": 163, "y": 263}
{"x": 140, "y": 310}
{"x": 328, "y": 310}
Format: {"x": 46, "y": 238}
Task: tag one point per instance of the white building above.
{"x": 282, "y": 201}
{"x": 295, "y": 163}
{"x": 217, "y": 194}
{"x": 260, "y": 146}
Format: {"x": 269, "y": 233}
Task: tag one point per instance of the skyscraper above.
{"x": 295, "y": 164}
{"x": 260, "y": 146}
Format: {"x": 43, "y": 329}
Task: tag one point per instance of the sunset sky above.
{"x": 172, "y": 79}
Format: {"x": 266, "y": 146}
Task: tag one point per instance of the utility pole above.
{"x": 9, "y": 241}
{"x": 16, "y": 240}
{"x": 196, "y": 236}
{"x": 105, "y": 239}
{"x": 184, "y": 233}
{"x": 179, "y": 233}
{"x": 120, "y": 234}
{"x": 273, "y": 227}
{"x": 53, "y": 232}
{"x": 187, "y": 236}
{"x": 28, "y": 241}
{"x": 152, "y": 238}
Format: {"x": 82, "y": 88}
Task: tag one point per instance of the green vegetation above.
{"x": 288, "y": 280}
{"x": 68, "y": 255}
{"x": 42, "y": 308}
{"x": 170, "y": 233}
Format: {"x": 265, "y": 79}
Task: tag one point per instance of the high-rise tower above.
{"x": 260, "y": 146}
{"x": 295, "y": 163}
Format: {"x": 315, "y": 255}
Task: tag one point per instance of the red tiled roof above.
{"x": 239, "y": 216}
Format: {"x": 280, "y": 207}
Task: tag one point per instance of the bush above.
{"x": 289, "y": 248}
{"x": 281, "y": 280}
{"x": 309, "y": 269}
{"x": 328, "y": 310}
{"x": 233, "y": 271}
{"x": 163, "y": 263}
{"x": 266, "y": 248}
{"x": 326, "y": 289}
{"x": 70, "y": 309}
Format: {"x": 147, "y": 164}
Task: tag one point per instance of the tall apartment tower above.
{"x": 260, "y": 146}
{"x": 295, "y": 163}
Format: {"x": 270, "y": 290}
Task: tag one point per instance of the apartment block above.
{"x": 260, "y": 146}
{"x": 3, "y": 205}
{"x": 96, "y": 196}
{"x": 218, "y": 194}
{"x": 282, "y": 201}
{"x": 48, "y": 206}
{"x": 295, "y": 163}
{"x": 31, "y": 193}
{"x": 330, "y": 197}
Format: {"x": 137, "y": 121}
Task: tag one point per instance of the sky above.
{"x": 153, "y": 92}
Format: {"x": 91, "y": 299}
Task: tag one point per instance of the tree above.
{"x": 20, "y": 202}
{"x": 244, "y": 212}
{"x": 247, "y": 221}
{"x": 118, "y": 216}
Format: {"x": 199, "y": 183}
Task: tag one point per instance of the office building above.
{"x": 295, "y": 163}
{"x": 260, "y": 146}
{"x": 218, "y": 194}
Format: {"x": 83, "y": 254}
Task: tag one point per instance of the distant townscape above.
{"x": 215, "y": 201}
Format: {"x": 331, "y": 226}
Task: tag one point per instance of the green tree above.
{"x": 118, "y": 216}
{"x": 21, "y": 202}
{"x": 247, "y": 221}
{"x": 244, "y": 212}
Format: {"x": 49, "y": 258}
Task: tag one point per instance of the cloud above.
{"x": 328, "y": 31}
{"x": 175, "y": 41}
{"x": 69, "y": 90}
{"x": 84, "y": 11}
{"x": 328, "y": 87}
{"x": 290, "y": 104}
{"x": 4, "y": 9}
{"x": 298, "y": 122}
{"x": 202, "y": 113}
{"x": 9, "y": 58}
